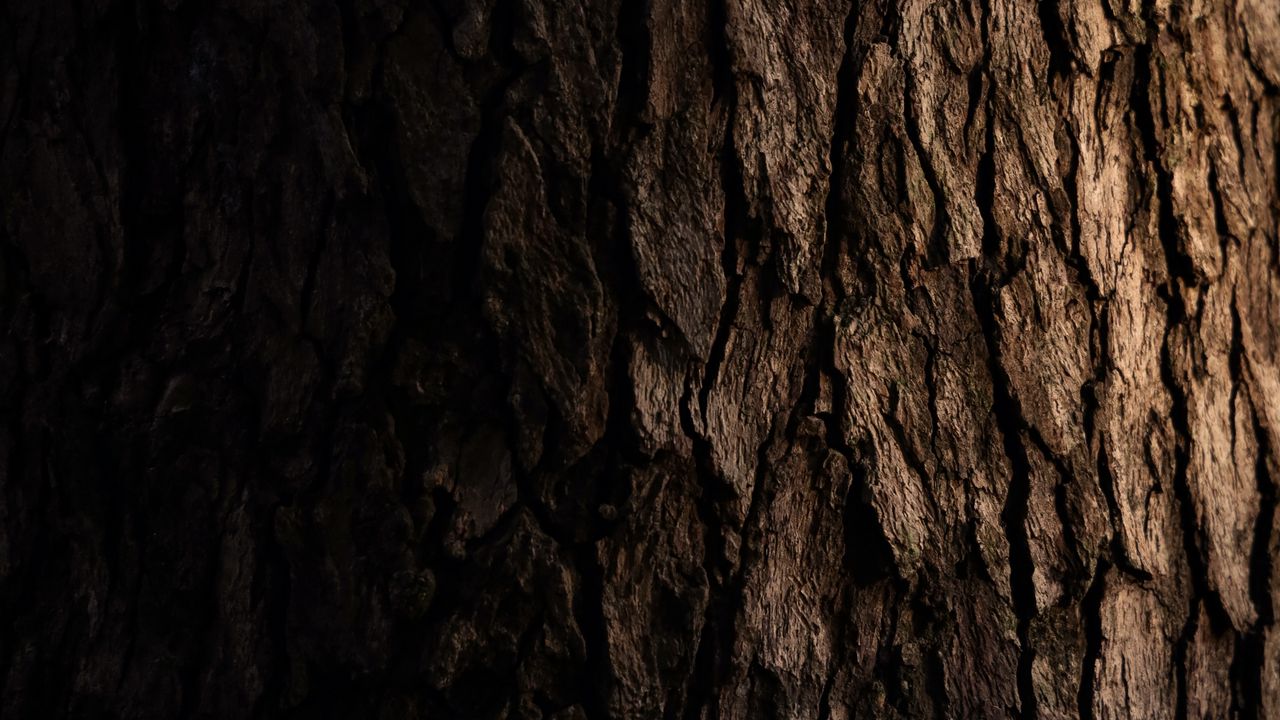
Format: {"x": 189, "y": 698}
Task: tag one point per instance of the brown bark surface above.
{"x": 639, "y": 359}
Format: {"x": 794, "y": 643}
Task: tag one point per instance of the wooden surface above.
{"x": 748, "y": 359}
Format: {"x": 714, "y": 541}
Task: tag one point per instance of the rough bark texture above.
{"x": 639, "y": 358}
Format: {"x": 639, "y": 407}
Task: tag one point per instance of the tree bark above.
{"x": 630, "y": 359}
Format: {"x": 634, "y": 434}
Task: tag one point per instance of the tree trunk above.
{"x": 907, "y": 358}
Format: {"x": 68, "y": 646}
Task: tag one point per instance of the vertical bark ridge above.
{"x": 1014, "y": 514}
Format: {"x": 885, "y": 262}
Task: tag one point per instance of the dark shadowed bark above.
{"x": 639, "y": 359}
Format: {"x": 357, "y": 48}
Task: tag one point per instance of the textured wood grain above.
{"x": 726, "y": 359}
